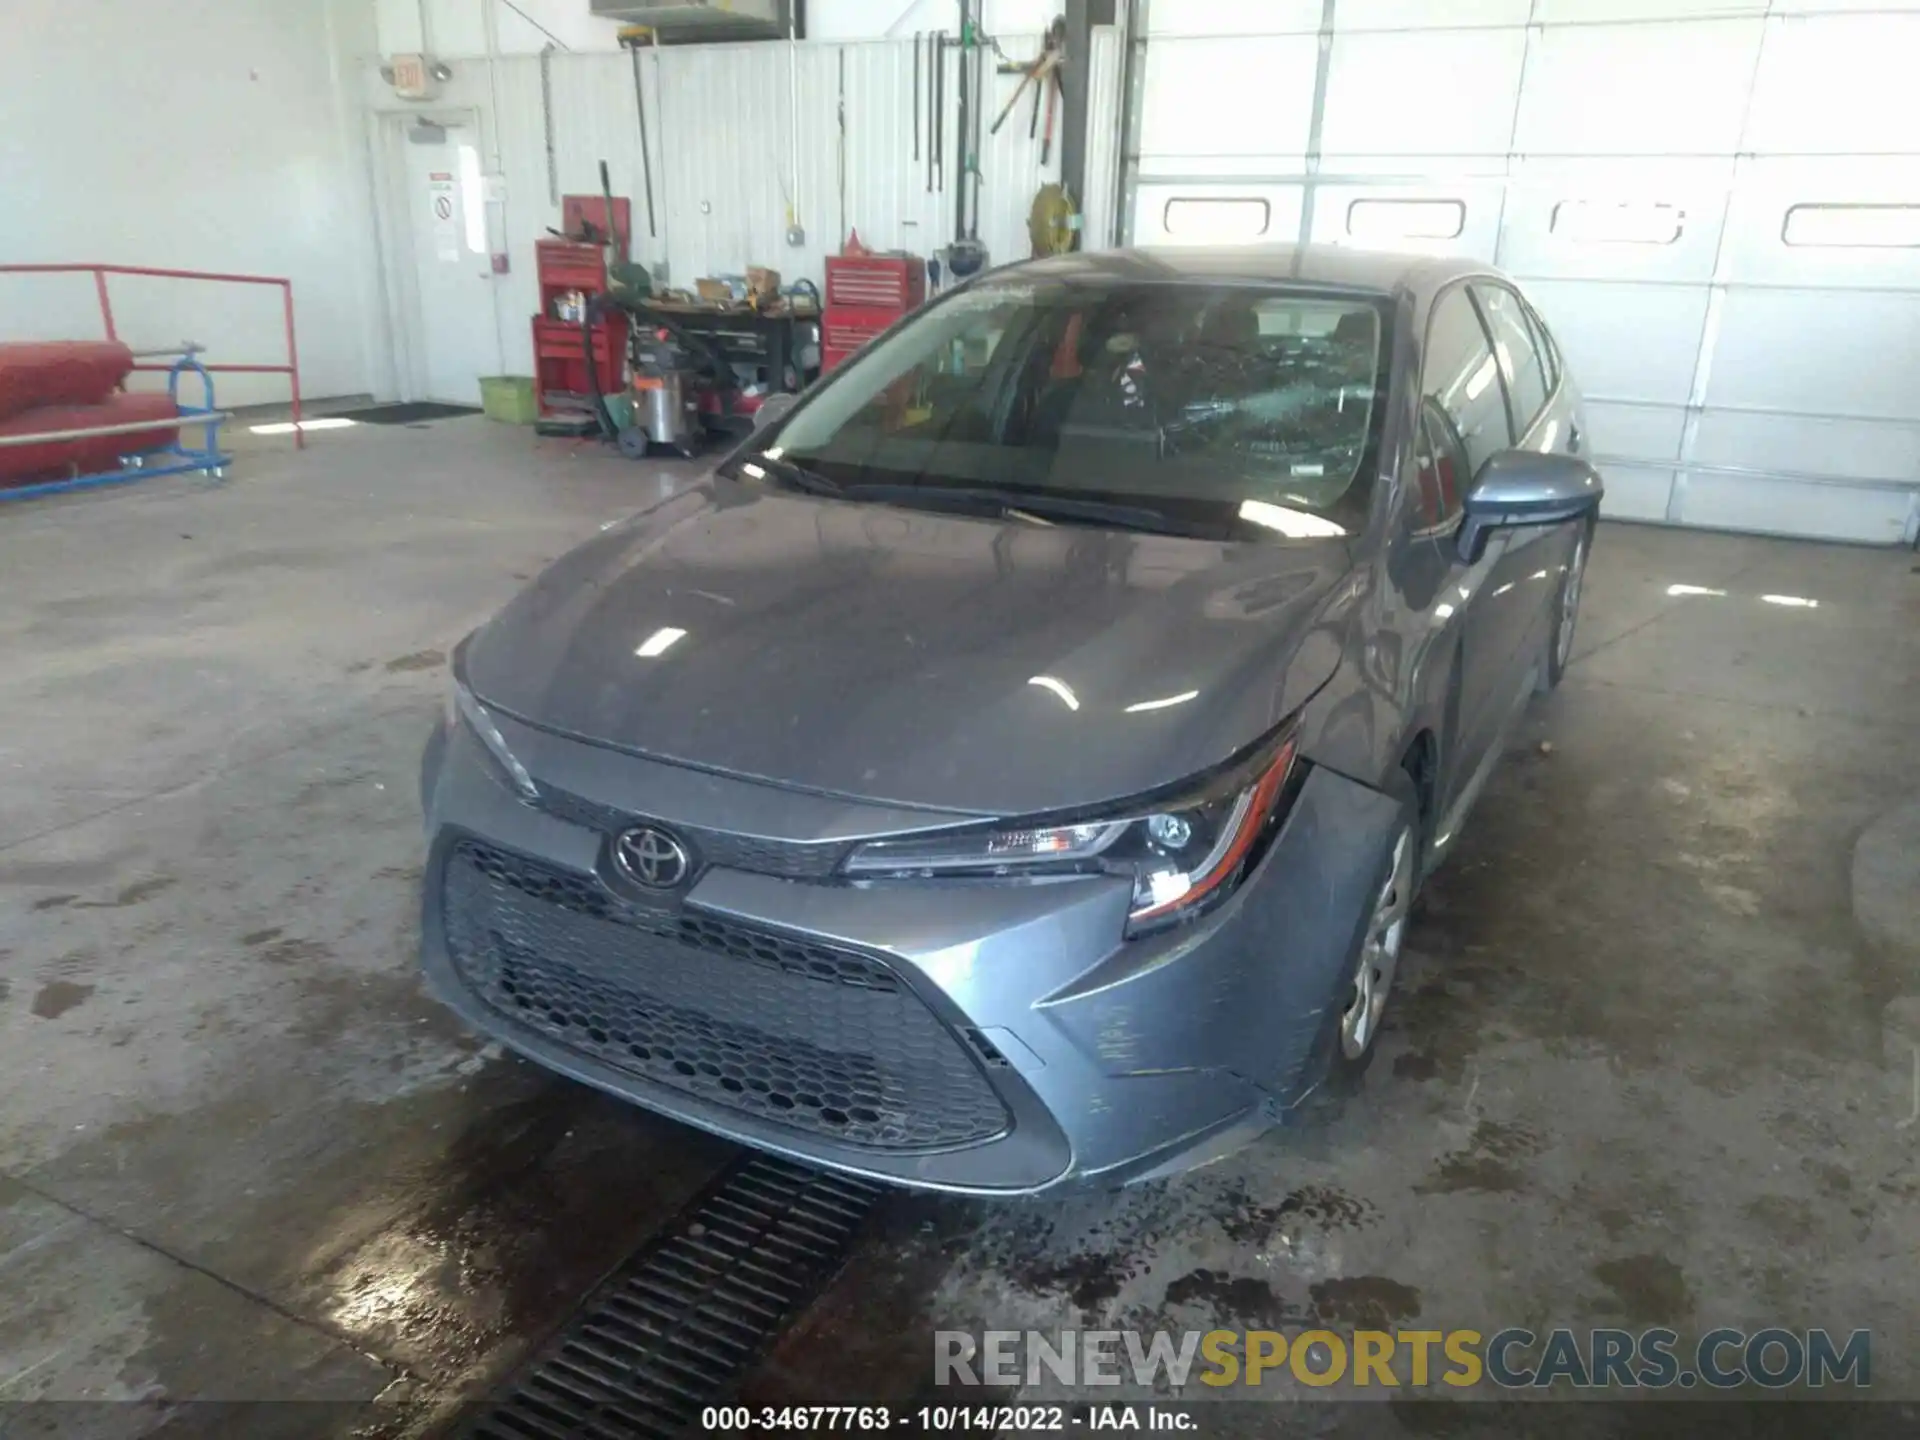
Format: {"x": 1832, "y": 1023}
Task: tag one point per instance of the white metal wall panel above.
{"x": 1179, "y": 18}
{"x": 1355, "y": 15}
{"x": 1838, "y": 84}
{"x": 1573, "y": 12}
{"x": 1827, "y": 352}
{"x": 1539, "y": 236}
{"x": 1477, "y": 118}
{"x": 1626, "y": 341}
{"x": 1757, "y": 251}
{"x": 1781, "y": 507}
{"x": 1799, "y": 444}
{"x": 1264, "y": 121}
{"x": 1638, "y": 492}
{"x": 1656, "y": 89}
{"x": 1715, "y": 202}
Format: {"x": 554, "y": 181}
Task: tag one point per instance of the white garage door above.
{"x": 1714, "y": 202}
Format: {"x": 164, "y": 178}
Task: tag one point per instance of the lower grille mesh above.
{"x": 824, "y": 1040}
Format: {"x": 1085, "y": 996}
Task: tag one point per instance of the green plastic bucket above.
{"x": 508, "y": 399}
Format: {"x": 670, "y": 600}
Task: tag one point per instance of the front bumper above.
{"x": 982, "y": 1037}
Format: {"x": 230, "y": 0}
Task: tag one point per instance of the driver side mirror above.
{"x": 1526, "y": 487}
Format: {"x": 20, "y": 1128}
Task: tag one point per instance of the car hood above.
{"x": 912, "y": 657}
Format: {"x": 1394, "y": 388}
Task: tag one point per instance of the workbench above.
{"x": 767, "y": 344}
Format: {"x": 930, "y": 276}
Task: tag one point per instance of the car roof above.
{"x": 1337, "y": 266}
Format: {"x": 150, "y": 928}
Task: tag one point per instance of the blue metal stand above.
{"x": 207, "y": 458}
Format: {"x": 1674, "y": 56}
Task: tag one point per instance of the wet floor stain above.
{"x": 1367, "y": 1301}
{"x": 1467, "y": 1173}
{"x": 294, "y": 951}
{"x": 53, "y": 902}
{"x": 57, "y": 997}
{"x": 1414, "y": 1065}
{"x": 1089, "y": 1281}
{"x": 1243, "y": 1299}
{"x": 418, "y": 660}
{"x": 1490, "y": 1162}
{"x": 131, "y": 894}
{"x": 6, "y": 987}
{"x": 1247, "y": 1221}
{"x": 260, "y": 937}
{"x": 1647, "y": 1288}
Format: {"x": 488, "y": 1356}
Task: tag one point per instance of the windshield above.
{"x": 1227, "y": 410}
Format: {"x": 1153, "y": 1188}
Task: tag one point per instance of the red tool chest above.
{"x": 866, "y": 294}
{"x": 561, "y": 385}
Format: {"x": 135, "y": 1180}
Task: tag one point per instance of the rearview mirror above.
{"x": 773, "y": 407}
{"x": 1526, "y": 487}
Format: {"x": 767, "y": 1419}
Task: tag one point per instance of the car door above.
{"x": 1463, "y": 421}
{"x": 1543, "y": 415}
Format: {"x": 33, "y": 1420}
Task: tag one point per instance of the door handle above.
{"x": 1573, "y": 438}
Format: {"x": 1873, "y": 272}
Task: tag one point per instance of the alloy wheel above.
{"x": 1379, "y": 953}
{"x": 1570, "y": 604}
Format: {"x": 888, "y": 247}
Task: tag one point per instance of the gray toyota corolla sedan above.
{"x": 1016, "y": 762}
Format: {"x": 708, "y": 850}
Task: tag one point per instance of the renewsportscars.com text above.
{"x": 1513, "y": 1358}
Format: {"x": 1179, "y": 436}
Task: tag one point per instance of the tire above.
{"x": 1566, "y": 613}
{"x": 1359, "y": 1005}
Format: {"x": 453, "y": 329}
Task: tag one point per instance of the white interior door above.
{"x": 454, "y": 338}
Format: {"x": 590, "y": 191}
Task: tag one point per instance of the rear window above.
{"x": 1221, "y": 402}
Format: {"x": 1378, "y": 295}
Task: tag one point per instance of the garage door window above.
{"x": 1513, "y": 346}
{"x": 1869, "y": 226}
{"x": 1382, "y": 221}
{"x": 1216, "y": 219}
{"x": 1462, "y": 381}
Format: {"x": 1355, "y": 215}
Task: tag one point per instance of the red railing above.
{"x": 100, "y": 272}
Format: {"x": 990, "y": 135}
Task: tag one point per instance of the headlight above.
{"x": 1182, "y": 852}
{"x": 463, "y": 709}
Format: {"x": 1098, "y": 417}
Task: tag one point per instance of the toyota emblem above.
{"x": 651, "y": 857}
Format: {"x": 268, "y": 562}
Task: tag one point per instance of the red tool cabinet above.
{"x": 561, "y": 385}
{"x": 866, "y": 294}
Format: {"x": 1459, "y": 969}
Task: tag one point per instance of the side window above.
{"x": 1513, "y": 345}
{"x": 1549, "y": 350}
{"x": 1460, "y": 385}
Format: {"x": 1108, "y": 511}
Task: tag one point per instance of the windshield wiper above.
{"x": 795, "y": 477}
{"x": 1035, "y": 504}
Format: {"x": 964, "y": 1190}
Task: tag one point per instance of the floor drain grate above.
{"x": 676, "y": 1325}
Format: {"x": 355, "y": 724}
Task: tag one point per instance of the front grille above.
{"x": 822, "y": 1039}
{"x": 789, "y": 859}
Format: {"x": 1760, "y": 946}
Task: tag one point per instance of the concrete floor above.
{"x": 1651, "y": 1062}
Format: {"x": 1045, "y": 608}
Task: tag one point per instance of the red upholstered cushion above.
{"x": 60, "y": 372}
{"x": 56, "y": 459}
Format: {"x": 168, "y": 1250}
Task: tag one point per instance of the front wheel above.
{"x": 1566, "y": 612}
{"x": 1370, "y": 979}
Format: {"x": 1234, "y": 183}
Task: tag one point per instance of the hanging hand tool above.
{"x": 842, "y": 113}
{"x": 631, "y": 36}
{"x": 1053, "y": 99}
{"x": 940, "y": 108}
{"x": 1040, "y": 73}
{"x": 963, "y": 133}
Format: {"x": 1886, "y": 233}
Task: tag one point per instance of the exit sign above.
{"x": 410, "y": 77}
